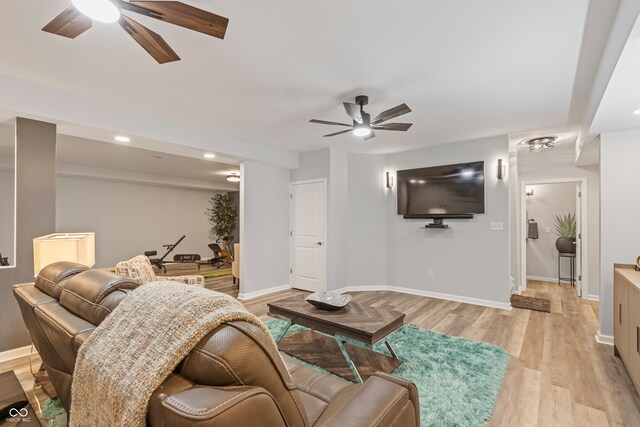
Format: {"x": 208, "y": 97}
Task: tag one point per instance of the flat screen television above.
{"x": 449, "y": 191}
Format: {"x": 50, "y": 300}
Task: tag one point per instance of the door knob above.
{"x": 319, "y": 243}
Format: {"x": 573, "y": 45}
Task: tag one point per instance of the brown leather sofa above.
{"x": 234, "y": 377}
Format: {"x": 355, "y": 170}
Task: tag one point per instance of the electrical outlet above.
{"x": 496, "y": 226}
{"x": 430, "y": 272}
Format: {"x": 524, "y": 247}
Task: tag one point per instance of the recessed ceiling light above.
{"x": 99, "y": 10}
{"x": 122, "y": 138}
{"x": 636, "y": 112}
{"x": 209, "y": 156}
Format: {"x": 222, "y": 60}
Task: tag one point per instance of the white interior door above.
{"x": 307, "y": 236}
{"x": 578, "y": 272}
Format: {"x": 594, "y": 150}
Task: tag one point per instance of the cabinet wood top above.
{"x": 631, "y": 275}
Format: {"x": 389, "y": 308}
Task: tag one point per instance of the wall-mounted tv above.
{"x": 447, "y": 191}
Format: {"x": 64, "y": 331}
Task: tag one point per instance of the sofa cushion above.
{"x": 51, "y": 278}
{"x": 94, "y": 294}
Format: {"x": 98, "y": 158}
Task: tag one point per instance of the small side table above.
{"x": 572, "y": 267}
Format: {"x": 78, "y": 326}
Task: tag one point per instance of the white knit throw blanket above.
{"x": 138, "y": 345}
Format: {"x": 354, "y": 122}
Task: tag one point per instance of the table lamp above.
{"x": 74, "y": 247}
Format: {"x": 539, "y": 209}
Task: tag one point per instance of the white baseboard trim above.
{"x": 592, "y": 297}
{"x": 547, "y": 279}
{"x": 16, "y": 353}
{"x": 436, "y": 295}
{"x": 263, "y": 292}
{"x": 604, "y": 339}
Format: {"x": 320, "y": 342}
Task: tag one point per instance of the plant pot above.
{"x": 566, "y": 245}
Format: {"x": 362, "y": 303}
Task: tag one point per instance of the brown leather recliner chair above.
{"x": 233, "y": 377}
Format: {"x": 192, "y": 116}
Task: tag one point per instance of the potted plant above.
{"x": 223, "y": 216}
{"x": 566, "y": 231}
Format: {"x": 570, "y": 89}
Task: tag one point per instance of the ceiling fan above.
{"x": 363, "y": 125}
{"x": 78, "y": 18}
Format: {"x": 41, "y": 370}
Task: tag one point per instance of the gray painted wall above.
{"x": 468, "y": 259}
{"x": 130, "y": 218}
{"x": 620, "y": 207}
{"x": 36, "y": 193}
{"x": 264, "y": 227}
{"x": 367, "y": 221}
{"x": 313, "y": 165}
{"x": 7, "y": 227}
{"x": 337, "y": 224}
{"x": 7, "y": 190}
{"x": 548, "y": 200}
{"x": 514, "y": 218}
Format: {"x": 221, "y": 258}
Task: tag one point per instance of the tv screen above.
{"x": 441, "y": 190}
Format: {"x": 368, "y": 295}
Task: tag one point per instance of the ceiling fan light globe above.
{"x": 361, "y": 131}
{"x": 98, "y": 10}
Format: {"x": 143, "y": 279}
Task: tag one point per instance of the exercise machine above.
{"x": 218, "y": 259}
{"x": 160, "y": 262}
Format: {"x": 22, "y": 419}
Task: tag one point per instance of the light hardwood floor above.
{"x": 558, "y": 374}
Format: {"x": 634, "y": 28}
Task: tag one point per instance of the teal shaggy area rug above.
{"x": 458, "y": 379}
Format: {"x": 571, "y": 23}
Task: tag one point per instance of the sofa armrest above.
{"x": 383, "y": 400}
{"x": 187, "y": 280}
{"x": 203, "y": 406}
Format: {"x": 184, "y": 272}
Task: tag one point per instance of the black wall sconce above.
{"x": 502, "y": 169}
{"x": 389, "y": 179}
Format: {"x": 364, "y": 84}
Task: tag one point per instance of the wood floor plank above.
{"x": 555, "y": 407}
{"x": 523, "y": 385}
{"x": 585, "y": 416}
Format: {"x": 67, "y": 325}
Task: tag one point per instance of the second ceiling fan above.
{"x": 78, "y": 18}
{"x": 363, "y": 125}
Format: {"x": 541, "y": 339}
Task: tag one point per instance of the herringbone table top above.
{"x": 364, "y": 323}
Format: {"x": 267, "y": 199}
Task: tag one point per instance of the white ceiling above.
{"x": 86, "y": 152}
{"x": 622, "y": 96}
{"x": 112, "y": 158}
{"x": 467, "y": 68}
{"x": 563, "y": 153}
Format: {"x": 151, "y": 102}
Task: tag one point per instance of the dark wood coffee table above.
{"x": 366, "y": 324}
{"x": 11, "y": 392}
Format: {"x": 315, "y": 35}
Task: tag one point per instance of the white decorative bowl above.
{"x": 328, "y": 300}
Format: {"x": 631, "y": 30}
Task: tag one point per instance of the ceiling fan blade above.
{"x": 324, "y": 122}
{"x": 391, "y": 113}
{"x": 353, "y": 110}
{"x": 150, "y": 41}
{"x": 182, "y": 15}
{"x": 70, "y": 23}
{"x": 394, "y": 126}
{"x": 371, "y": 135}
{"x": 338, "y": 133}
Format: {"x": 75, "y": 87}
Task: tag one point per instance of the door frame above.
{"x": 522, "y": 229}
{"x": 323, "y": 181}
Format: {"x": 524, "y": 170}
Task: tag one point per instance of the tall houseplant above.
{"x": 566, "y": 229}
{"x": 223, "y": 216}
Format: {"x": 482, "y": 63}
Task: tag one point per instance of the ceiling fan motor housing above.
{"x": 362, "y": 100}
